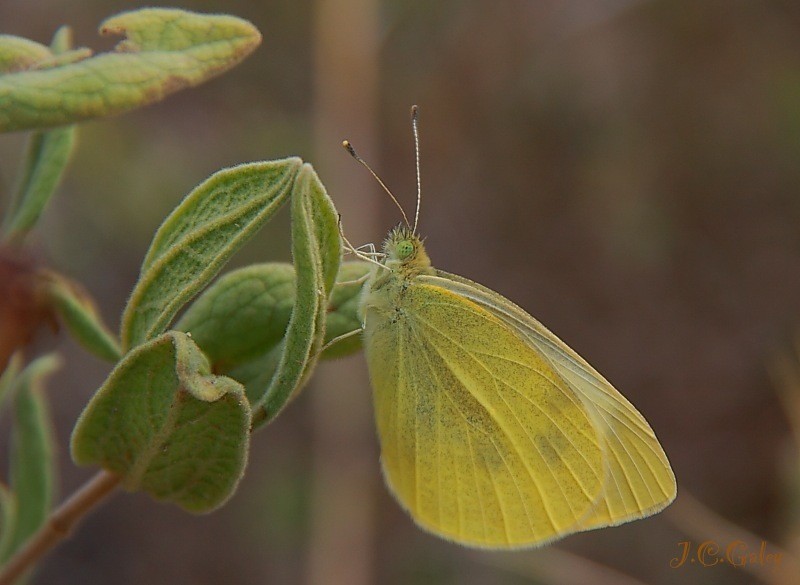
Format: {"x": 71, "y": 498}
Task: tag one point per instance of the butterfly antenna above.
{"x": 415, "y": 127}
{"x": 349, "y": 148}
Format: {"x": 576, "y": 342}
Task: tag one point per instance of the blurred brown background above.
{"x": 626, "y": 170}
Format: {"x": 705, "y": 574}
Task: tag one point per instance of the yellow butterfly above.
{"x": 493, "y": 432}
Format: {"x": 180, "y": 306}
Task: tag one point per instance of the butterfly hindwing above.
{"x": 482, "y": 439}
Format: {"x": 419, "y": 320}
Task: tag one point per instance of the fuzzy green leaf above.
{"x": 44, "y": 165}
{"x": 196, "y": 240}
{"x": 8, "y": 376}
{"x": 32, "y": 451}
{"x": 242, "y": 315}
{"x": 343, "y": 316}
{"x": 316, "y": 252}
{"x": 62, "y": 41}
{"x": 165, "y": 50}
{"x": 80, "y": 315}
{"x": 17, "y": 53}
{"x": 46, "y": 159}
{"x": 167, "y": 426}
{"x": 8, "y": 520}
{"x": 63, "y": 53}
{"x": 239, "y": 322}
{"x": 255, "y": 375}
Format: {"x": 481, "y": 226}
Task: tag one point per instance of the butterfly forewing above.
{"x": 638, "y": 478}
{"x": 482, "y": 439}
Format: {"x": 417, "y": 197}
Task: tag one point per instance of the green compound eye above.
{"x": 405, "y": 249}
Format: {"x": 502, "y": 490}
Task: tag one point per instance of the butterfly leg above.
{"x": 339, "y": 338}
{"x": 366, "y": 256}
{"x": 359, "y": 280}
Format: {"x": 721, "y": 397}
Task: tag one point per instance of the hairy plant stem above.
{"x": 59, "y": 525}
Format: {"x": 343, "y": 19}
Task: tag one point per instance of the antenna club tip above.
{"x": 414, "y": 110}
{"x": 349, "y": 148}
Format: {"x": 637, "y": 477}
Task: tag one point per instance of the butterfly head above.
{"x": 405, "y": 252}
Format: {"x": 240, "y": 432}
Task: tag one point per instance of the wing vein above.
{"x": 590, "y": 497}
{"x": 512, "y": 442}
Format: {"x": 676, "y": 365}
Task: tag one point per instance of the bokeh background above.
{"x": 627, "y": 170}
